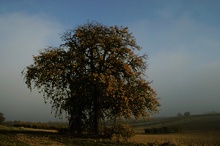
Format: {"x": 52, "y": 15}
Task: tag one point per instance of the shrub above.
{"x": 119, "y": 132}
{"x": 148, "y": 131}
{"x": 163, "y": 130}
{"x": 63, "y": 130}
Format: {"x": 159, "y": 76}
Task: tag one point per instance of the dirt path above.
{"x": 37, "y": 141}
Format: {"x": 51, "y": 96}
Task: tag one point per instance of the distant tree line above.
{"x": 2, "y": 118}
{"x": 186, "y": 114}
{"x": 37, "y": 125}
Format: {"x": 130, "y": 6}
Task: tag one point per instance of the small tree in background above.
{"x": 179, "y": 115}
{"x": 95, "y": 75}
{"x": 187, "y": 114}
{"x": 2, "y": 118}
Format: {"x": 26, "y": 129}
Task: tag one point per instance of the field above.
{"x": 196, "y": 131}
{"x": 13, "y": 136}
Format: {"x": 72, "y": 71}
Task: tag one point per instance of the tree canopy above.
{"x": 95, "y": 75}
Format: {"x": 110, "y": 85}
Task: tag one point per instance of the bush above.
{"x": 119, "y": 132}
{"x": 63, "y": 130}
{"x": 148, "y": 131}
{"x": 163, "y": 130}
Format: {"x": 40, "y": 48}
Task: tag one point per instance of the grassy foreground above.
{"x": 197, "y": 131}
{"x": 11, "y": 136}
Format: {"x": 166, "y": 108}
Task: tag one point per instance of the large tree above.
{"x": 95, "y": 75}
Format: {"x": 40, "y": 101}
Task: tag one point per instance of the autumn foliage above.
{"x": 94, "y": 76}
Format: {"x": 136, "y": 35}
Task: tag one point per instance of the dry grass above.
{"x": 180, "y": 139}
{"x": 37, "y": 140}
{"x": 39, "y": 130}
{"x": 203, "y": 130}
{"x": 197, "y": 131}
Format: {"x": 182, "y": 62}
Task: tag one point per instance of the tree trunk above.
{"x": 97, "y": 118}
{"x": 75, "y": 121}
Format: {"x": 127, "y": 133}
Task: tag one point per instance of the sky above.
{"x": 181, "y": 38}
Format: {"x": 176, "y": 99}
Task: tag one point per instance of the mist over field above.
{"x": 181, "y": 39}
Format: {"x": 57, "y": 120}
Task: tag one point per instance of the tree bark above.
{"x": 97, "y": 118}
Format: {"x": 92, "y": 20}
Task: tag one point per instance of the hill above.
{"x": 194, "y": 123}
{"x": 196, "y": 130}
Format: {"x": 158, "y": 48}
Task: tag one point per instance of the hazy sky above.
{"x": 181, "y": 37}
